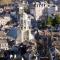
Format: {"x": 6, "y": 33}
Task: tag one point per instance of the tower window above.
{"x": 37, "y": 5}
{"x": 44, "y": 4}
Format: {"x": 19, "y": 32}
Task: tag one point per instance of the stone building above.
{"x": 52, "y": 9}
{"x": 37, "y": 9}
{"x": 24, "y": 27}
{"x": 3, "y": 41}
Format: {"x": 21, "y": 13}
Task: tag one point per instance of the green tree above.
{"x": 53, "y": 22}
{"x": 43, "y": 25}
{"x": 49, "y": 21}
{"x": 56, "y": 20}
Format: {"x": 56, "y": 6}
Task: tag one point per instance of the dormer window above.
{"x": 37, "y": 4}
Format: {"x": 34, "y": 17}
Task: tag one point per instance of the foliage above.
{"x": 54, "y": 21}
{"x": 43, "y": 25}
{"x": 27, "y": 10}
{"x": 1, "y": 54}
{"x": 49, "y": 22}
{"x": 58, "y": 19}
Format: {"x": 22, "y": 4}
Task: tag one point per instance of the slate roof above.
{"x": 12, "y": 32}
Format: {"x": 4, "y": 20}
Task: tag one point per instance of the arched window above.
{"x": 44, "y": 4}
{"x": 37, "y": 5}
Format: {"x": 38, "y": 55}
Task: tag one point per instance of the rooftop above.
{"x": 2, "y": 34}
{"x": 12, "y": 32}
{"x": 4, "y": 2}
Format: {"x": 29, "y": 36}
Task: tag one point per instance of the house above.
{"x": 3, "y": 41}
{"x": 57, "y": 2}
{"x": 52, "y": 9}
{"x": 4, "y": 20}
{"x": 24, "y": 28}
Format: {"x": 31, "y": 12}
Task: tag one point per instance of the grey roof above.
{"x": 58, "y": 8}
{"x": 12, "y": 32}
{"x": 56, "y": 2}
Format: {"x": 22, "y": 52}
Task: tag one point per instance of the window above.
{"x": 0, "y": 45}
{"x": 24, "y": 27}
{"x": 6, "y": 48}
{"x": 21, "y": 21}
{"x": 24, "y": 24}
{"x": 21, "y": 27}
{"x": 29, "y": 24}
{"x": 26, "y": 35}
{"x": 44, "y": 4}
{"x": 5, "y": 44}
{"x": 21, "y": 24}
{"x": 37, "y": 5}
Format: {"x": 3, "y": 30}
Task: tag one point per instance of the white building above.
{"x": 3, "y": 41}
{"x": 37, "y": 9}
{"x": 4, "y": 20}
{"x": 25, "y": 26}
